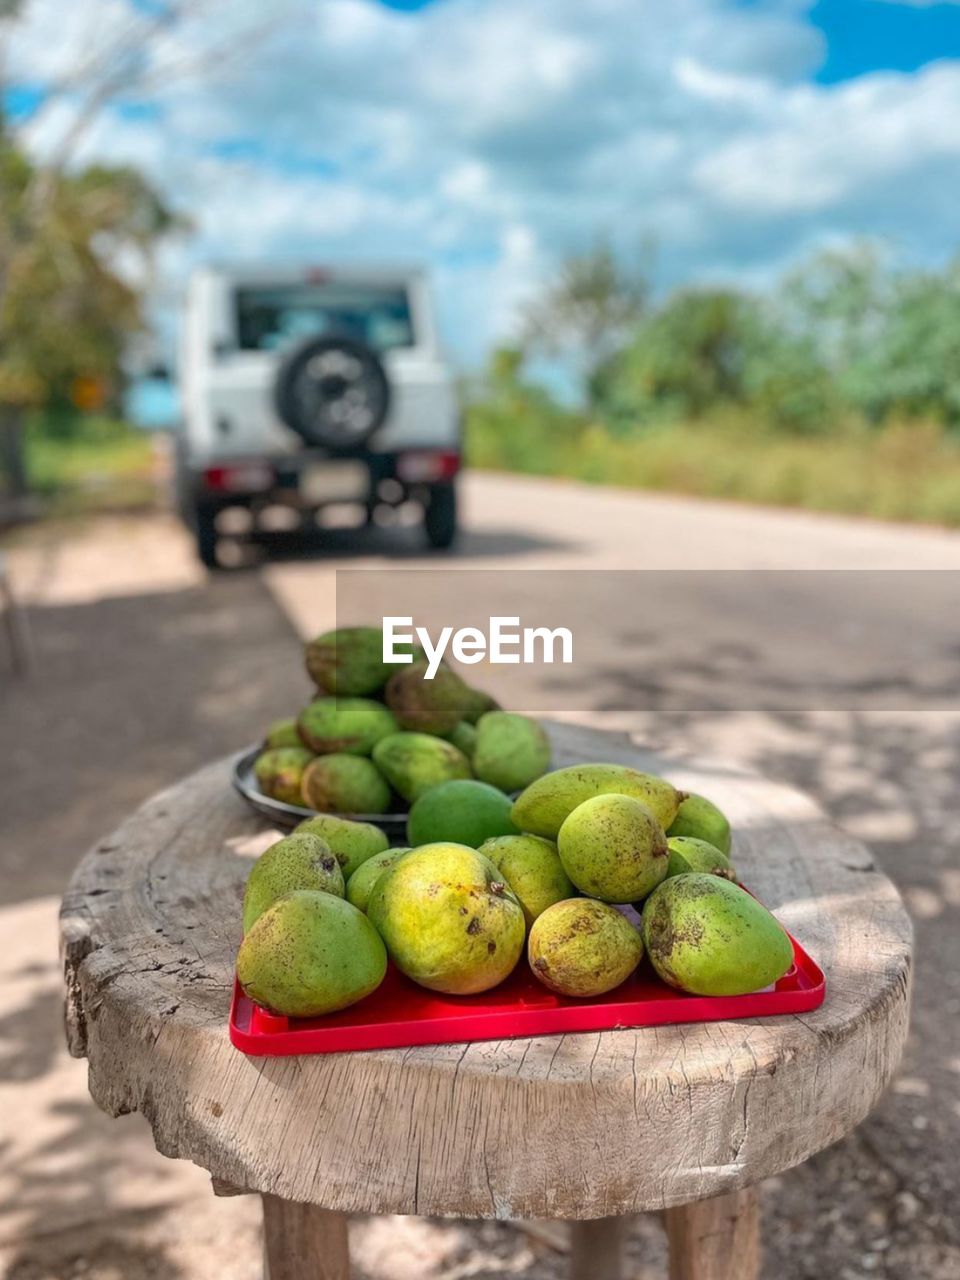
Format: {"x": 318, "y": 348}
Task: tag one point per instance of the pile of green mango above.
{"x": 375, "y": 736}
{"x": 591, "y": 868}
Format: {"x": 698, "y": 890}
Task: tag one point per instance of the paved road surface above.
{"x": 146, "y": 668}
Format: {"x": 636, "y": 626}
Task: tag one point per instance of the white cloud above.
{"x": 467, "y": 181}
{"x": 486, "y": 137}
{"x": 814, "y": 151}
{"x": 721, "y": 86}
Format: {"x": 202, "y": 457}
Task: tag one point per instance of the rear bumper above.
{"x": 299, "y": 480}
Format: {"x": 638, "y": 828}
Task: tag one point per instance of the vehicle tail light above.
{"x": 240, "y": 477}
{"x": 427, "y": 467}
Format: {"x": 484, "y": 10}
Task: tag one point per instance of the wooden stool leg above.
{"x": 716, "y": 1239}
{"x": 303, "y": 1242}
{"x": 596, "y": 1249}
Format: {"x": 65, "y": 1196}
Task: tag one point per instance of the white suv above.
{"x": 310, "y": 389}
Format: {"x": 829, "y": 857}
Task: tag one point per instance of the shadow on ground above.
{"x": 394, "y": 544}
{"x": 72, "y": 1179}
{"x": 129, "y": 694}
{"x": 881, "y": 1203}
{"x": 82, "y": 1194}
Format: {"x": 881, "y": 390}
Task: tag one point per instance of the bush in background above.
{"x": 839, "y": 390}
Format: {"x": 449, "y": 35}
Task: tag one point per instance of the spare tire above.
{"x": 332, "y": 391}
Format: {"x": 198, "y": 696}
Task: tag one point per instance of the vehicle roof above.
{"x": 270, "y": 273}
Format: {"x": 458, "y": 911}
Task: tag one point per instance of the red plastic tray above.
{"x": 399, "y": 1013}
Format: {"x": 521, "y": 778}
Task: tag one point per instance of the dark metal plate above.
{"x": 282, "y": 814}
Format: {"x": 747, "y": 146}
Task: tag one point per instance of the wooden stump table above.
{"x": 586, "y": 1128}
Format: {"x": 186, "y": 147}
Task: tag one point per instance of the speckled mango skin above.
{"x": 531, "y": 867}
{"x": 309, "y": 954}
{"x": 282, "y": 733}
{"x": 687, "y": 853}
{"x": 478, "y": 704}
{"x": 352, "y": 842}
{"x": 581, "y": 947}
{"x": 344, "y": 784}
{"x": 348, "y": 661}
{"x": 510, "y": 750}
{"x": 699, "y": 817}
{"x": 279, "y": 772}
{"x": 543, "y": 806}
{"x": 344, "y": 726}
{"x": 302, "y": 861}
{"x": 414, "y": 762}
{"x": 613, "y": 848}
{"x": 361, "y": 883}
{"x": 449, "y": 921}
{"x": 426, "y": 706}
{"x": 709, "y": 937}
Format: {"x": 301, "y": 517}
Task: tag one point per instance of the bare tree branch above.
{"x": 122, "y": 62}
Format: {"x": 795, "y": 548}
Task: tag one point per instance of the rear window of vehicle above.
{"x": 270, "y": 318}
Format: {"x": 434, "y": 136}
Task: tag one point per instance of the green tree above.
{"x": 512, "y": 421}
{"x": 913, "y": 368}
{"x": 704, "y": 349}
{"x": 65, "y": 310}
{"x": 66, "y": 313}
{"x": 585, "y": 314}
{"x": 890, "y": 336}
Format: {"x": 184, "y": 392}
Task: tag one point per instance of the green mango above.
{"x": 462, "y": 811}
{"x": 510, "y": 751}
{"x": 301, "y": 861}
{"x": 613, "y": 848}
{"x": 449, "y": 921}
{"x": 709, "y": 937}
{"x": 687, "y": 853}
{"x": 279, "y": 772}
{"x": 310, "y": 954}
{"x": 699, "y": 817}
{"x": 426, "y": 706}
{"x": 352, "y": 842}
{"x": 360, "y": 885}
{"x": 543, "y": 806}
{"x": 282, "y": 733}
{"x": 478, "y": 704}
{"x": 348, "y": 661}
{"x": 344, "y": 784}
{"x": 532, "y": 868}
{"x": 581, "y": 947}
{"x": 464, "y": 738}
{"x": 414, "y": 762}
{"x": 351, "y": 726}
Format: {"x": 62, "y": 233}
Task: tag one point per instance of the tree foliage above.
{"x": 705, "y": 349}
{"x": 75, "y": 247}
{"x": 843, "y": 335}
{"x": 67, "y": 305}
{"x": 890, "y": 338}
{"x": 513, "y": 421}
{"x": 587, "y": 311}
{"x": 66, "y": 311}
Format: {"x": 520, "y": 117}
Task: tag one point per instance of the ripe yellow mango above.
{"x": 543, "y": 806}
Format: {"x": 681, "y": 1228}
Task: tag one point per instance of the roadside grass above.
{"x": 98, "y": 464}
{"x": 906, "y": 471}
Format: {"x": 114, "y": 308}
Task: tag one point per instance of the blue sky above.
{"x": 868, "y": 35}
{"x": 486, "y": 138}
{"x": 861, "y": 35}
